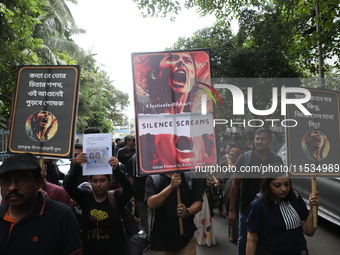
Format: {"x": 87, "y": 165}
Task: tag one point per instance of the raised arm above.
{"x": 71, "y": 186}
{"x": 307, "y": 226}
{"x": 157, "y": 200}
{"x": 124, "y": 195}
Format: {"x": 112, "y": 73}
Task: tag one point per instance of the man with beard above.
{"x": 43, "y": 126}
{"x": 260, "y": 156}
{"x": 31, "y": 223}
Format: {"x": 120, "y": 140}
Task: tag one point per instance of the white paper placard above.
{"x": 98, "y": 149}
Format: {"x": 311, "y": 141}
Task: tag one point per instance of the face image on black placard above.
{"x": 315, "y": 145}
{"x": 41, "y": 126}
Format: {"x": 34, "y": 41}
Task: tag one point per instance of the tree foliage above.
{"x": 16, "y": 44}
{"x": 258, "y": 50}
{"x": 38, "y": 32}
{"x": 100, "y": 102}
{"x": 303, "y": 16}
{"x": 55, "y": 29}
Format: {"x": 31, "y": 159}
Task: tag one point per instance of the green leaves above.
{"x": 301, "y": 15}
{"x": 38, "y": 32}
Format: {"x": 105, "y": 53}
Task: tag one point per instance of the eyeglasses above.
{"x": 19, "y": 181}
{"x": 102, "y": 180}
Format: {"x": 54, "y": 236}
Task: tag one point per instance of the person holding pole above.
{"x": 278, "y": 219}
{"x": 172, "y": 225}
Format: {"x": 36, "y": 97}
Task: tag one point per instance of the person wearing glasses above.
{"x": 31, "y": 223}
{"x": 102, "y": 231}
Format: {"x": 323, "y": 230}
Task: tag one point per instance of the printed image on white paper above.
{"x": 97, "y": 157}
{"x": 98, "y": 150}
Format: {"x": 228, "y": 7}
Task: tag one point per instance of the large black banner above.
{"x": 44, "y": 111}
{"x": 313, "y": 145}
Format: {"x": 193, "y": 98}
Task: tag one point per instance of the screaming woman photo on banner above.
{"x": 41, "y": 126}
{"x": 173, "y": 134}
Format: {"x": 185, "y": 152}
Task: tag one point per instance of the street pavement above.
{"x": 223, "y": 246}
{"x": 326, "y": 240}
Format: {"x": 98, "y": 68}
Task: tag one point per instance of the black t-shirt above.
{"x": 124, "y": 154}
{"x": 50, "y": 228}
{"x": 165, "y": 234}
{"x": 102, "y": 228}
{"x": 139, "y": 181}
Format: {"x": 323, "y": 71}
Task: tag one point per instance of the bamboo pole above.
{"x": 181, "y": 229}
{"x": 314, "y": 208}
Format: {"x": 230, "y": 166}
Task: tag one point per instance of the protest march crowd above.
{"x": 44, "y": 212}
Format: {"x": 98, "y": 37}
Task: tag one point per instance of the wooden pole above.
{"x": 321, "y": 85}
{"x": 41, "y": 162}
{"x": 314, "y": 208}
{"x": 181, "y": 230}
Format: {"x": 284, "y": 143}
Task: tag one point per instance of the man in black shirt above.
{"x": 162, "y": 198}
{"x": 125, "y": 153}
{"x": 261, "y": 155}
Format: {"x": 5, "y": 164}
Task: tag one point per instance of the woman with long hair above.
{"x": 278, "y": 219}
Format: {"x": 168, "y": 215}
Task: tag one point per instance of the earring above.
{"x": 153, "y": 76}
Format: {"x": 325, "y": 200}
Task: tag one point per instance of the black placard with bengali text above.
{"x": 44, "y": 111}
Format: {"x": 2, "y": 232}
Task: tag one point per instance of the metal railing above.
{"x": 4, "y": 134}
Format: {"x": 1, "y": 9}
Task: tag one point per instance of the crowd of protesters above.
{"x": 29, "y": 194}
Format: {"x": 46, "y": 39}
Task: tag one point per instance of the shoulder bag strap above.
{"x": 114, "y": 204}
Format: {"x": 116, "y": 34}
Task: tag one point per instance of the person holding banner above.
{"x": 102, "y": 228}
{"x": 278, "y": 219}
{"x": 161, "y": 197}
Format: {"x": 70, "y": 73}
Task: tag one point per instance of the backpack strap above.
{"x": 188, "y": 180}
{"x": 276, "y": 158}
{"x": 156, "y": 180}
{"x": 247, "y": 157}
{"x": 134, "y": 166}
{"x": 114, "y": 204}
